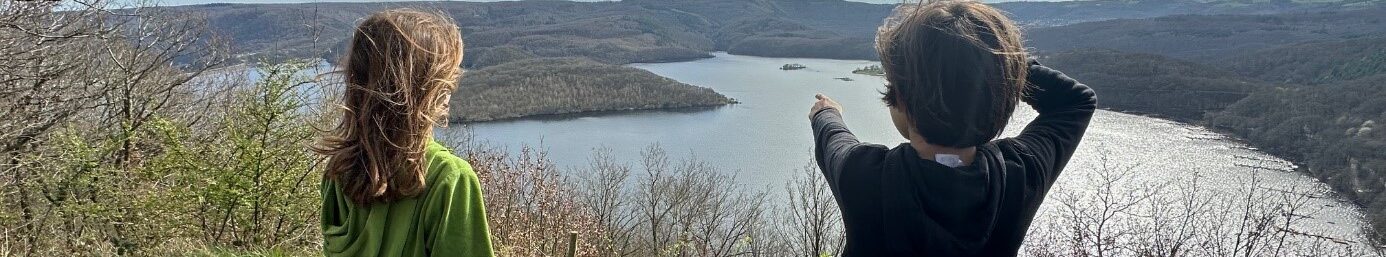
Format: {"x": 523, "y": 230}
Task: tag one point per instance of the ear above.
{"x": 900, "y": 103}
{"x": 909, "y": 123}
{"x": 902, "y": 107}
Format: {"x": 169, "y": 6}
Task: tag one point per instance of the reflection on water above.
{"x": 766, "y": 138}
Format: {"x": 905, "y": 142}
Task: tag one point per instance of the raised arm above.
{"x": 832, "y": 140}
{"x": 1065, "y": 107}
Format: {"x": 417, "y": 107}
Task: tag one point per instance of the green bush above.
{"x": 168, "y": 186}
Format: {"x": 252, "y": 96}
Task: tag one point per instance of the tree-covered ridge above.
{"x": 1334, "y": 129}
{"x": 1299, "y": 104}
{"x": 1210, "y": 37}
{"x": 549, "y": 86}
{"x": 1314, "y": 63}
{"x": 1305, "y": 86}
{"x": 609, "y": 32}
{"x": 1048, "y": 14}
{"x": 1153, "y": 84}
{"x": 667, "y": 30}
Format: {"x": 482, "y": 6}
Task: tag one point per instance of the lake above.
{"x": 766, "y": 139}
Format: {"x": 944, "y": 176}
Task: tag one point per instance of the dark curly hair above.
{"x": 956, "y": 68}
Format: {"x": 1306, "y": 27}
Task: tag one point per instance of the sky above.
{"x": 190, "y": 2}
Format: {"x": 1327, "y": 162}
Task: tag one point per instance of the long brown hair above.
{"x": 957, "y": 69}
{"x": 400, "y": 69}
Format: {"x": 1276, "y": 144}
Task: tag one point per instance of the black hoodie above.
{"x": 896, "y": 204}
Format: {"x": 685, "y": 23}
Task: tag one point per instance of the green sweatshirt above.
{"x": 448, "y": 219}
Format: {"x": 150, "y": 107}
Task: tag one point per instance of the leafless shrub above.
{"x": 686, "y": 209}
{"x": 43, "y": 78}
{"x": 814, "y": 221}
{"x": 530, "y": 206}
{"x": 673, "y": 209}
{"x": 1124, "y": 216}
{"x": 604, "y": 184}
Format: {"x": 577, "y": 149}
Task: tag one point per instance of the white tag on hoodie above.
{"x": 949, "y": 160}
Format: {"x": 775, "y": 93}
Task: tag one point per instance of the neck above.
{"x": 928, "y": 151}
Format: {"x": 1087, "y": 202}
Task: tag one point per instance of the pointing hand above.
{"x": 824, "y": 102}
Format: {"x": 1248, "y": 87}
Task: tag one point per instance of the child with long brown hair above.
{"x": 389, "y": 189}
{"x": 955, "y": 72}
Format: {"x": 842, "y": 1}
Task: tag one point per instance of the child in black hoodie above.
{"x": 955, "y": 72}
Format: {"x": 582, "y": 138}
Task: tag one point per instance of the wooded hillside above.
{"x": 1154, "y": 84}
{"x": 1209, "y": 38}
{"x": 549, "y": 86}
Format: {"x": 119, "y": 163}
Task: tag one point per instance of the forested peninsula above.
{"x": 553, "y": 86}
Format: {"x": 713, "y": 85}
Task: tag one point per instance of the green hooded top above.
{"x": 447, "y": 219}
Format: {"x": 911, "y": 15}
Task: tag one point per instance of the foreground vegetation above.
{"x": 1122, "y": 210}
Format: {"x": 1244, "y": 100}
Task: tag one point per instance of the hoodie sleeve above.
{"x": 832, "y": 144}
{"x": 1065, "y": 107}
{"x": 458, "y": 215}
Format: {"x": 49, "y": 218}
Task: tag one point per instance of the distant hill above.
{"x": 615, "y": 33}
{"x": 1049, "y": 14}
{"x": 1210, "y": 37}
{"x": 674, "y": 30}
{"x": 1147, "y": 83}
{"x": 608, "y": 32}
{"x": 1314, "y": 63}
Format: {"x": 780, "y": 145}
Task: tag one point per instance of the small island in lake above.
{"x": 793, "y": 66}
{"x": 873, "y": 70}
{"x": 844, "y": 79}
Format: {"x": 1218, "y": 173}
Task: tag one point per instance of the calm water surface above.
{"x": 766, "y": 139}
